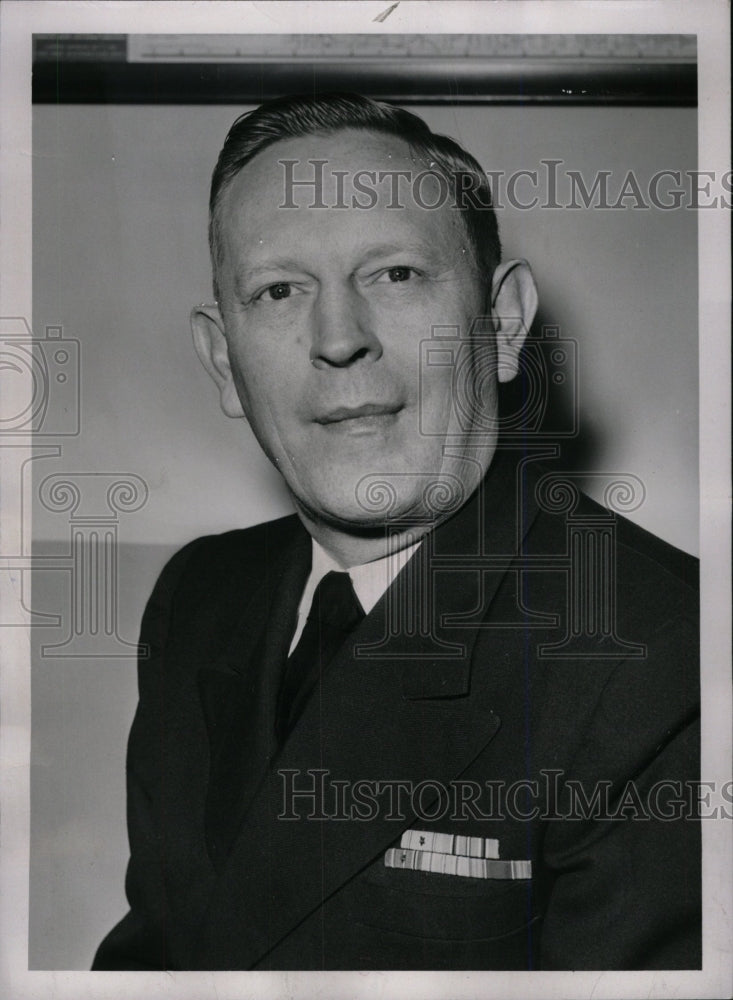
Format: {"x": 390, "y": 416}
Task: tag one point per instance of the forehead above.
{"x": 349, "y": 152}
{"x": 344, "y": 185}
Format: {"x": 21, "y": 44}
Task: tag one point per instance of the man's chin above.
{"x": 378, "y": 510}
{"x": 369, "y": 504}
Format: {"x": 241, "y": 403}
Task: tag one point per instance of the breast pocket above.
{"x": 443, "y": 907}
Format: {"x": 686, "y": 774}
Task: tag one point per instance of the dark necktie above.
{"x": 334, "y": 613}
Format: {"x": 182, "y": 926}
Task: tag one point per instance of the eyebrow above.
{"x": 271, "y": 264}
{"x": 386, "y": 249}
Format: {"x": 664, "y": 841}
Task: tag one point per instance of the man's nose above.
{"x": 343, "y": 331}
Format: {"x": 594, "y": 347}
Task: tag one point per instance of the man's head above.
{"x": 329, "y": 298}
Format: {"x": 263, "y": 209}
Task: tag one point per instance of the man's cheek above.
{"x": 435, "y": 405}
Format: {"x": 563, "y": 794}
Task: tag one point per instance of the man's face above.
{"x": 324, "y": 311}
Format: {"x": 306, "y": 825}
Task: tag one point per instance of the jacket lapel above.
{"x": 399, "y": 704}
{"x": 238, "y": 695}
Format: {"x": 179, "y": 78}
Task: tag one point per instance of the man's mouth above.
{"x": 360, "y": 419}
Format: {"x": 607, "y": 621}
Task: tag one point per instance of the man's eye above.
{"x": 274, "y": 293}
{"x": 400, "y": 273}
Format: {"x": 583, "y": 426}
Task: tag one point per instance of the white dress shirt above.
{"x": 370, "y": 580}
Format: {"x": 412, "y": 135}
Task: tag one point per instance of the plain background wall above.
{"x": 120, "y": 256}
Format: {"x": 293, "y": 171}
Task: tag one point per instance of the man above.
{"x": 444, "y": 716}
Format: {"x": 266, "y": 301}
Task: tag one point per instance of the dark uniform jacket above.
{"x": 530, "y": 679}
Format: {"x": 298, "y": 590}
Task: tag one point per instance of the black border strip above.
{"x": 457, "y": 81}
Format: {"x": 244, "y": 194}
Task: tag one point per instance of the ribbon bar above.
{"x": 454, "y": 864}
{"x": 449, "y": 843}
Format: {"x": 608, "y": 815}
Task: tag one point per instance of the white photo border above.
{"x": 708, "y": 19}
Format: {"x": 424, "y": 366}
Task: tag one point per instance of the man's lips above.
{"x": 342, "y": 414}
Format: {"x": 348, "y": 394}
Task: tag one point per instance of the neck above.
{"x": 353, "y": 550}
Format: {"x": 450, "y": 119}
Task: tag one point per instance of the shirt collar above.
{"x": 370, "y": 580}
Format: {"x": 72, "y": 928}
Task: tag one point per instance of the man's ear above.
{"x": 210, "y": 342}
{"x": 513, "y": 306}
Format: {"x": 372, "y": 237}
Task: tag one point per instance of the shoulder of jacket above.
{"x": 238, "y": 552}
{"x": 644, "y": 554}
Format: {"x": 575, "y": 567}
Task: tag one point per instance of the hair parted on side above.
{"x": 304, "y": 114}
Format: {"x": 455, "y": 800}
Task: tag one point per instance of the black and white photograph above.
{"x": 365, "y": 451}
